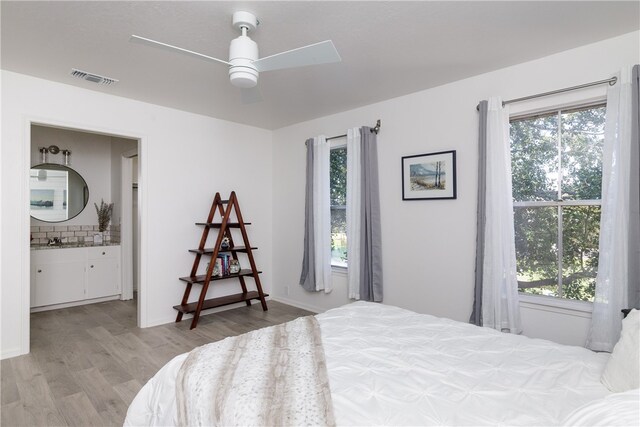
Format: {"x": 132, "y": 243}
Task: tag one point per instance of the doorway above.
{"x": 88, "y": 152}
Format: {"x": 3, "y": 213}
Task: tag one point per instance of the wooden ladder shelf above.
{"x": 224, "y": 208}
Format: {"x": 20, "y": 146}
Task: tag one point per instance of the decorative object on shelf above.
{"x": 104, "y": 215}
{"x": 234, "y": 266}
{"x": 225, "y": 243}
{"x": 429, "y": 176}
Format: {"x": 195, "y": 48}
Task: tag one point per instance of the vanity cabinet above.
{"x": 57, "y": 279}
{"x": 74, "y": 275}
{"x": 104, "y": 271}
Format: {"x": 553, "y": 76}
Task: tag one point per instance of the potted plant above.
{"x": 104, "y": 212}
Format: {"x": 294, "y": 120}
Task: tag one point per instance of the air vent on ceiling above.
{"x": 95, "y": 78}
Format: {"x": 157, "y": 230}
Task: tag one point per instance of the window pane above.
{"x": 581, "y": 229}
{"x": 536, "y": 233}
{"x": 338, "y": 176}
{"x": 534, "y": 158}
{"x": 338, "y": 196}
{"x": 582, "y": 140}
{"x": 338, "y": 236}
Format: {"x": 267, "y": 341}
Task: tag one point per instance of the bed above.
{"x": 390, "y": 366}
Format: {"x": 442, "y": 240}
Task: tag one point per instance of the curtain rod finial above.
{"x": 376, "y": 129}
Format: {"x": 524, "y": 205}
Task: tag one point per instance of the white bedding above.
{"x": 389, "y": 366}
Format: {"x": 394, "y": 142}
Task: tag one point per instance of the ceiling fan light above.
{"x": 242, "y": 52}
{"x": 243, "y": 78}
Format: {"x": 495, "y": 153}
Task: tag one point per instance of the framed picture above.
{"x": 42, "y": 199}
{"x": 429, "y": 176}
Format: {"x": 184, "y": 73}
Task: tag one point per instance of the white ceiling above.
{"x": 388, "y": 48}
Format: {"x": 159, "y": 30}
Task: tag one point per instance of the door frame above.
{"x": 25, "y": 223}
{"x": 126, "y": 224}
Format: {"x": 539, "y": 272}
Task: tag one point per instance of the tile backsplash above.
{"x": 72, "y": 233}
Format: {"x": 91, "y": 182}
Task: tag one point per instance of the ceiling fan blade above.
{"x": 250, "y": 95}
{"x": 318, "y": 53}
{"x": 170, "y": 48}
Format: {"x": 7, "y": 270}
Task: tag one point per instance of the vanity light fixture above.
{"x": 42, "y": 173}
{"x": 44, "y": 151}
{"x": 66, "y": 155}
{"x": 54, "y": 149}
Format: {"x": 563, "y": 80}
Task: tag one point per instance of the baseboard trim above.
{"x": 172, "y": 319}
{"x": 298, "y": 304}
{"x": 74, "y": 303}
{"x": 10, "y": 353}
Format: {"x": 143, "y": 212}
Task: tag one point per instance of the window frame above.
{"x": 336, "y": 144}
{"x": 560, "y": 203}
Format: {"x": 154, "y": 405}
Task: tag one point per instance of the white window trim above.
{"x": 556, "y": 305}
{"x": 339, "y": 269}
{"x": 335, "y": 144}
{"x": 338, "y": 143}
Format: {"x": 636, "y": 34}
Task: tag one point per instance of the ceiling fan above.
{"x": 244, "y": 64}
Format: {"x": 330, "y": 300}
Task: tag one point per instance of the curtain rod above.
{"x": 374, "y": 129}
{"x": 611, "y": 82}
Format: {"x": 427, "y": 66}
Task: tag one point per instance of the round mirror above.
{"x": 58, "y": 193}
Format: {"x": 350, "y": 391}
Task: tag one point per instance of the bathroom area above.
{"x": 83, "y": 195}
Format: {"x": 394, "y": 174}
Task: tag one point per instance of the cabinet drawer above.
{"x": 58, "y": 255}
{"x": 103, "y": 252}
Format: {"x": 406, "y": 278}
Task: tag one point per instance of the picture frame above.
{"x": 430, "y": 176}
{"x": 42, "y": 199}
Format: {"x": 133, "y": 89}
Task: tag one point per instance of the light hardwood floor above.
{"x": 87, "y": 363}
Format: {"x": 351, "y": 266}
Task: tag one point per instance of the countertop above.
{"x": 38, "y": 247}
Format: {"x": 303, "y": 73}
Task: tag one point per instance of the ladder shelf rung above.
{"x": 219, "y": 224}
{"x": 209, "y": 251}
{"x": 219, "y": 302}
{"x": 201, "y": 278}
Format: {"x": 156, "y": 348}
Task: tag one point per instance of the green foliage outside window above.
{"x": 556, "y": 162}
{"x": 338, "y": 200}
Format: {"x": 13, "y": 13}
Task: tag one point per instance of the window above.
{"x": 338, "y": 196}
{"x": 556, "y": 161}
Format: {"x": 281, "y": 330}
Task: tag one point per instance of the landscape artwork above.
{"x": 429, "y": 176}
{"x": 42, "y": 199}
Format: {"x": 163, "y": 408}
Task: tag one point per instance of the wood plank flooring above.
{"x": 87, "y": 363}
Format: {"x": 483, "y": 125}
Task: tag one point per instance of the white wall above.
{"x": 429, "y": 246}
{"x": 185, "y": 158}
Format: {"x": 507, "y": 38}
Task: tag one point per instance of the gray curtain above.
{"x": 308, "y": 275}
{"x": 634, "y": 200}
{"x": 370, "y": 239}
{"x": 476, "y": 313}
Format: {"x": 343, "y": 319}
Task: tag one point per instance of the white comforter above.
{"x": 389, "y": 366}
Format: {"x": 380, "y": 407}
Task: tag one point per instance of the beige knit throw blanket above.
{"x": 275, "y": 376}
